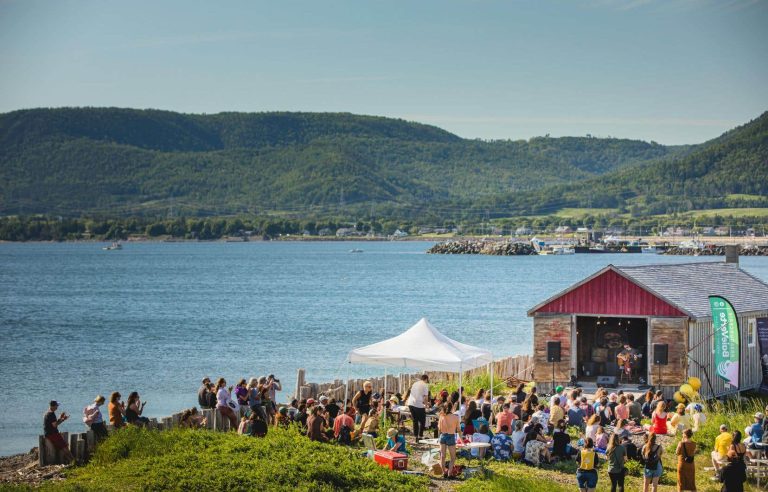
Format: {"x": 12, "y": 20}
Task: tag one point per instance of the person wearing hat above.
{"x": 678, "y": 420}
{"x": 698, "y": 417}
{"x": 395, "y": 442}
{"x": 559, "y": 396}
{"x": 720, "y": 449}
{"x": 51, "y": 430}
{"x": 755, "y": 431}
{"x": 92, "y": 418}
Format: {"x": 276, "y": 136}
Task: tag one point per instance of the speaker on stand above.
{"x": 553, "y": 355}
{"x": 660, "y": 358}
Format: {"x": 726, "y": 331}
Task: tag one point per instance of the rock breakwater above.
{"x": 713, "y": 250}
{"x": 482, "y": 247}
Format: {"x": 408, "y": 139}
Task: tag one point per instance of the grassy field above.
{"x": 733, "y": 212}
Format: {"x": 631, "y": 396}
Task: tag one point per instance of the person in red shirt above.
{"x": 505, "y": 418}
{"x": 344, "y": 420}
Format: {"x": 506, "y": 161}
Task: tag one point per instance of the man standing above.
{"x": 51, "y": 431}
{"x": 417, "y": 402}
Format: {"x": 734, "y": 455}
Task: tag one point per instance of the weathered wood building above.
{"x": 661, "y": 307}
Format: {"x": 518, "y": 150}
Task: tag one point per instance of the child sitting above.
{"x": 395, "y": 442}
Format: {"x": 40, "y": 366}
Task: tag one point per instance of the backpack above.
{"x": 652, "y": 461}
{"x": 345, "y": 436}
{"x": 89, "y": 415}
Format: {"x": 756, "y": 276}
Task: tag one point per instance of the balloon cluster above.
{"x": 689, "y": 391}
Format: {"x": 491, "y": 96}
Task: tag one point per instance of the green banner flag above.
{"x": 726, "y": 326}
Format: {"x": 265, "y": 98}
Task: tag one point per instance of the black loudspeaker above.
{"x": 660, "y": 353}
{"x": 553, "y": 351}
{"x": 607, "y": 381}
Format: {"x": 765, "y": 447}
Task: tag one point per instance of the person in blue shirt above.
{"x": 501, "y": 444}
{"x": 755, "y": 431}
{"x": 576, "y": 416}
{"x": 395, "y": 442}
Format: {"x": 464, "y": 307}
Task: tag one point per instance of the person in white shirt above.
{"x": 518, "y": 440}
{"x": 417, "y": 403}
{"x": 480, "y": 436}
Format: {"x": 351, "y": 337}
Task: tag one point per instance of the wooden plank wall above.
{"x": 701, "y": 350}
{"x": 674, "y": 333}
{"x": 551, "y": 328}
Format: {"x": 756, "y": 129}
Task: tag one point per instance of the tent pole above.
{"x": 346, "y": 389}
{"x": 384, "y": 399}
{"x": 460, "y": 390}
{"x": 491, "y": 397}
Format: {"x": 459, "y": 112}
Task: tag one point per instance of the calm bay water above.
{"x": 76, "y": 321}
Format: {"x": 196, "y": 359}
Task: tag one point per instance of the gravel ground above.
{"x": 23, "y": 469}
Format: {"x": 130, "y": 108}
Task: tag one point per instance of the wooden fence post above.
{"x": 41, "y": 454}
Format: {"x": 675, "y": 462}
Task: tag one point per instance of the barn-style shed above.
{"x": 655, "y": 309}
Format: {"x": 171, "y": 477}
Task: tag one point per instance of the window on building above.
{"x": 751, "y": 332}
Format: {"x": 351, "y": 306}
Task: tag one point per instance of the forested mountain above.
{"x": 123, "y": 162}
{"x": 728, "y": 171}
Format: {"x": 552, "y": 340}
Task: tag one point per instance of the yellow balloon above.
{"x": 687, "y": 390}
{"x": 678, "y": 397}
{"x": 695, "y": 383}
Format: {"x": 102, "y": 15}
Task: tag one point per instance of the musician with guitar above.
{"x": 625, "y": 359}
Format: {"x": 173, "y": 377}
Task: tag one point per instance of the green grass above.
{"x": 733, "y": 212}
{"x": 136, "y": 459}
{"x": 745, "y": 196}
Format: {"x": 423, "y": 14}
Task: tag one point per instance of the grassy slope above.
{"x": 204, "y": 460}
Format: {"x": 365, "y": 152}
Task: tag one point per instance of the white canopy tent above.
{"x": 422, "y": 347}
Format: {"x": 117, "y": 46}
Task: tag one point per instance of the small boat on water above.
{"x": 650, "y": 249}
{"x": 113, "y": 246}
{"x": 355, "y": 250}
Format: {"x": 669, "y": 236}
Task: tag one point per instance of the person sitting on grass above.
{"x": 472, "y": 414}
{"x": 316, "y": 425}
{"x": 536, "y": 447}
{"x": 496, "y": 408}
{"x": 592, "y": 424}
{"x": 561, "y": 441}
{"x": 505, "y": 417}
{"x": 482, "y": 435}
{"x": 345, "y": 420}
{"x": 631, "y": 448}
{"x": 518, "y": 440}
{"x": 502, "y": 444}
{"x": 659, "y": 419}
{"x": 586, "y": 474}
{"x": 601, "y": 440}
{"x": 698, "y": 417}
{"x": 542, "y": 417}
{"x": 556, "y": 412}
{"x": 372, "y": 423}
{"x": 635, "y": 409}
{"x": 242, "y": 429}
{"x": 678, "y": 420}
{"x": 192, "y": 419}
{"x": 619, "y": 429}
{"x": 283, "y": 421}
{"x": 395, "y": 442}
{"x": 576, "y": 415}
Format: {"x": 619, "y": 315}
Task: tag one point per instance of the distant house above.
{"x": 426, "y": 230}
{"x": 708, "y": 231}
{"x": 563, "y": 229}
{"x": 722, "y": 231}
{"x": 345, "y": 232}
{"x": 523, "y": 231}
{"x": 399, "y": 233}
{"x": 324, "y": 232}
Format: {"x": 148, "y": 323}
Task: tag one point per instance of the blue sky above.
{"x": 674, "y": 71}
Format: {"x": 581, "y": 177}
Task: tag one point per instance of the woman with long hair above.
{"x": 526, "y": 409}
{"x": 480, "y": 398}
{"x": 223, "y": 399}
{"x": 617, "y": 457}
{"x": 592, "y": 424}
{"x": 116, "y": 410}
{"x": 254, "y": 399}
{"x": 448, "y": 426}
{"x": 536, "y": 446}
{"x": 586, "y": 474}
{"x": 646, "y": 408}
{"x": 134, "y": 409}
{"x": 520, "y": 392}
{"x": 652, "y": 470}
{"x": 659, "y": 419}
{"x": 472, "y": 414}
{"x": 686, "y": 469}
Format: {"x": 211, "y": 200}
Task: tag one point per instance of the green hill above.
{"x": 729, "y": 171}
{"x": 123, "y": 162}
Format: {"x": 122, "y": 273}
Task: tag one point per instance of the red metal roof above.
{"x": 609, "y": 293}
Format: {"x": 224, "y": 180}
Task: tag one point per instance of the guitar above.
{"x": 625, "y": 361}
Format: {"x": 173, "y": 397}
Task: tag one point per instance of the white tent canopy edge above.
{"x": 422, "y": 347}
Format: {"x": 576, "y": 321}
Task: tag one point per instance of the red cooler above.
{"x": 393, "y": 461}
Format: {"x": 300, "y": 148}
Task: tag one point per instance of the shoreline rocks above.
{"x": 713, "y": 250}
{"x": 482, "y": 247}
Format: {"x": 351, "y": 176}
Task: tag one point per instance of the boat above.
{"x": 355, "y": 250}
{"x": 112, "y": 247}
{"x": 650, "y": 249}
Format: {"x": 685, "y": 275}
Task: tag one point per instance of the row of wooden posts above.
{"x": 519, "y": 367}
{"x": 82, "y": 445}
